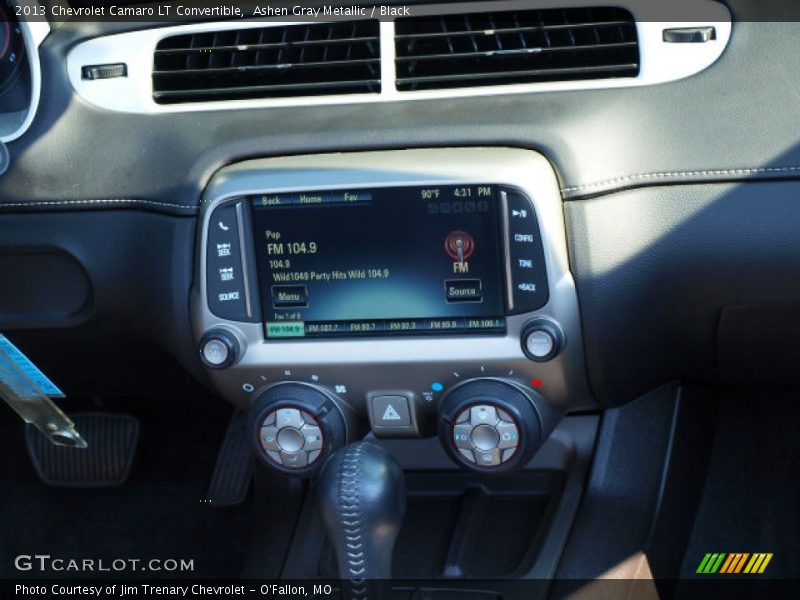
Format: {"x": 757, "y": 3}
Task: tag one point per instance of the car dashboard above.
{"x": 517, "y": 247}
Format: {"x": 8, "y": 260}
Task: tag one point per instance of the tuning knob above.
{"x": 493, "y": 425}
{"x": 542, "y": 339}
{"x": 295, "y": 427}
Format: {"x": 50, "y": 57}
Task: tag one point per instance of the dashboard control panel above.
{"x": 386, "y": 281}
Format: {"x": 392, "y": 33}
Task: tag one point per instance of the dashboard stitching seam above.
{"x": 662, "y": 175}
{"x": 98, "y": 201}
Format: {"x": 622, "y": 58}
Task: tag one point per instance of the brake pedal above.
{"x": 234, "y": 469}
{"x": 106, "y": 462}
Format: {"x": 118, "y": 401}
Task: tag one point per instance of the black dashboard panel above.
{"x": 736, "y": 121}
{"x": 598, "y": 140}
{"x": 656, "y": 267}
{"x": 125, "y": 278}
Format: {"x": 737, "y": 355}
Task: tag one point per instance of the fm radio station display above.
{"x": 382, "y": 261}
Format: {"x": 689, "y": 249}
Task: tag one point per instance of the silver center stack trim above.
{"x": 248, "y": 297}
{"x": 362, "y": 364}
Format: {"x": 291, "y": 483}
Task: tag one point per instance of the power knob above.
{"x": 492, "y": 425}
{"x": 219, "y": 349}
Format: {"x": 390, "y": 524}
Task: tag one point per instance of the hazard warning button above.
{"x": 391, "y": 414}
{"x": 390, "y": 411}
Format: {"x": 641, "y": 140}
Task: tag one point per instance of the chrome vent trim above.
{"x": 268, "y": 62}
{"x": 524, "y": 46}
{"x": 659, "y": 61}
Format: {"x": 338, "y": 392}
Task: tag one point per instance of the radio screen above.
{"x": 382, "y": 261}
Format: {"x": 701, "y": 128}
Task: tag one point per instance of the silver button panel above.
{"x": 288, "y": 417}
{"x": 485, "y": 436}
{"x": 483, "y": 414}
{"x": 269, "y": 438}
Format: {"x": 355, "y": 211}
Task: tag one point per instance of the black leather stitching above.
{"x": 350, "y": 514}
{"x": 598, "y": 185}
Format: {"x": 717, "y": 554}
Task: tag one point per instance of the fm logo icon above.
{"x": 459, "y": 246}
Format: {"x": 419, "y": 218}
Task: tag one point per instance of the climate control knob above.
{"x": 492, "y": 425}
{"x": 295, "y": 426}
{"x": 485, "y": 435}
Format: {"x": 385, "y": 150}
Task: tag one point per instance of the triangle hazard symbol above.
{"x": 390, "y": 414}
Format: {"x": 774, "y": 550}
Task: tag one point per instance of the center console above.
{"x": 410, "y": 293}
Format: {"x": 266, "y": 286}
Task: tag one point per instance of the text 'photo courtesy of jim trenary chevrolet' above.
{"x": 423, "y": 300}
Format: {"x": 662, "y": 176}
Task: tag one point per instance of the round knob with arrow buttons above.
{"x": 295, "y": 427}
{"x": 492, "y": 425}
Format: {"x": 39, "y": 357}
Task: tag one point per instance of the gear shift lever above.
{"x": 361, "y": 494}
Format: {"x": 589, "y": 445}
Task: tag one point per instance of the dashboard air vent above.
{"x": 525, "y": 46}
{"x": 270, "y": 62}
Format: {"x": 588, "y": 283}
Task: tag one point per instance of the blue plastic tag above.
{"x": 41, "y": 380}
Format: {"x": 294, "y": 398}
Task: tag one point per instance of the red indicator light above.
{"x": 537, "y": 383}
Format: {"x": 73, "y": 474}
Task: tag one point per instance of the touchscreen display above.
{"x": 381, "y": 261}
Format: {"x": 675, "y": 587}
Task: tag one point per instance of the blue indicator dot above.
{"x": 436, "y": 386}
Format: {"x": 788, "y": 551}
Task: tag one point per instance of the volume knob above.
{"x": 219, "y": 349}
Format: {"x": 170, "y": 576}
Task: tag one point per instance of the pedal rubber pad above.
{"x": 234, "y": 469}
{"x": 107, "y": 461}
